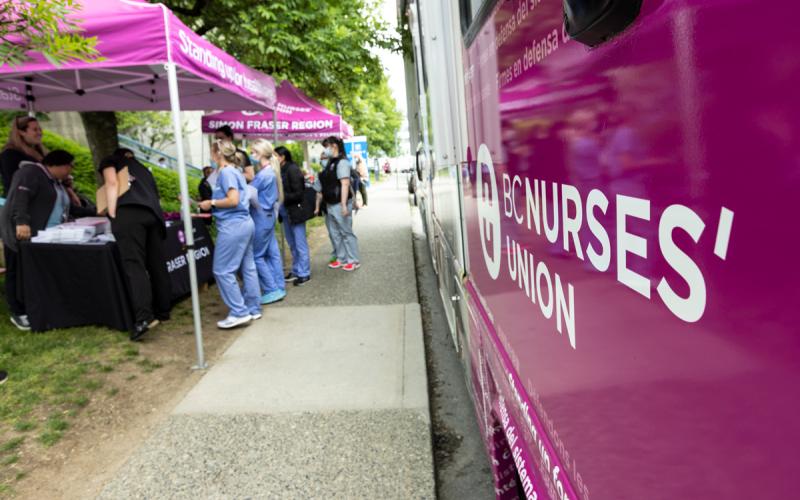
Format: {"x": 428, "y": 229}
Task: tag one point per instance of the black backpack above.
{"x": 332, "y": 188}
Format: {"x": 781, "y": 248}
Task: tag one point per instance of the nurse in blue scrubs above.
{"x": 267, "y": 183}
{"x": 233, "y": 252}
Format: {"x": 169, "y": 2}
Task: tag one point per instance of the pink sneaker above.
{"x": 350, "y": 266}
{"x": 335, "y": 264}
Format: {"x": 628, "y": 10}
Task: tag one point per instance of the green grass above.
{"x": 11, "y": 444}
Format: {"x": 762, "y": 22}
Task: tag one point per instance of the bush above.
{"x": 86, "y": 180}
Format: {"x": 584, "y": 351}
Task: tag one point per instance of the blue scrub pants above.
{"x": 234, "y": 253}
{"x": 345, "y": 242}
{"x": 266, "y": 252}
{"x": 298, "y": 244}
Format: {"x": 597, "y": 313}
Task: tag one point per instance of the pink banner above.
{"x": 298, "y": 118}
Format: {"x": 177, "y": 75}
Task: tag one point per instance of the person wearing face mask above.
{"x": 334, "y": 188}
{"x": 233, "y": 254}
{"x": 294, "y": 230}
{"x": 264, "y": 211}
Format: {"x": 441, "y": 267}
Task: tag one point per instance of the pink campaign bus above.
{"x": 610, "y": 189}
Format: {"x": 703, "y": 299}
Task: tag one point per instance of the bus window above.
{"x": 473, "y": 14}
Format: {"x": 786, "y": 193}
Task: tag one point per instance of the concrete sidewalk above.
{"x": 324, "y": 397}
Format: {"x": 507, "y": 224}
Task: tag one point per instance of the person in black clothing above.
{"x": 295, "y": 232}
{"x": 24, "y": 144}
{"x": 225, "y": 133}
{"x": 204, "y": 191}
{"x": 37, "y": 199}
{"x": 138, "y": 226}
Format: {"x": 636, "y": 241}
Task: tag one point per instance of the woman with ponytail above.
{"x": 234, "y": 246}
{"x": 269, "y": 188}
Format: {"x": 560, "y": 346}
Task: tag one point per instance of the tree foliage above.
{"x": 152, "y": 128}
{"x": 325, "y": 47}
{"x": 48, "y": 27}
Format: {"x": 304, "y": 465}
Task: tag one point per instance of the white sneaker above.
{"x": 233, "y": 321}
{"x": 256, "y": 316}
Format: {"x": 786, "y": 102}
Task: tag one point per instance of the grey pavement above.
{"x": 324, "y": 397}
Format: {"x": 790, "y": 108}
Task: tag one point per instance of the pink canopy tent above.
{"x": 138, "y": 40}
{"x": 152, "y": 61}
{"x": 299, "y": 118}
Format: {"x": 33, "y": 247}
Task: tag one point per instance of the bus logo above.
{"x": 488, "y": 211}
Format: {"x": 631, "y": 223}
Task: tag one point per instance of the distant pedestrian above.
{"x": 363, "y": 174}
{"x": 269, "y": 192}
{"x": 162, "y": 162}
{"x": 335, "y": 190}
{"x": 294, "y": 230}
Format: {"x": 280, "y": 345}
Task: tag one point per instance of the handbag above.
{"x": 303, "y": 211}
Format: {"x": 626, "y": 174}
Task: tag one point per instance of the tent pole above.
{"x": 172, "y": 80}
{"x": 275, "y": 125}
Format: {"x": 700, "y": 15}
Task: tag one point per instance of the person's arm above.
{"x": 345, "y": 195}
{"x": 318, "y": 204}
{"x": 26, "y": 190}
{"x": 111, "y": 185}
{"x": 231, "y": 200}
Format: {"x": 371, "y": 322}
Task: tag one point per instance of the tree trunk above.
{"x": 101, "y": 132}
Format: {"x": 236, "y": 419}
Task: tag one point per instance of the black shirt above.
{"x": 143, "y": 190}
{"x": 9, "y": 164}
{"x": 205, "y": 190}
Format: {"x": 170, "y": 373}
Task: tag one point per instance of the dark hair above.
{"x": 124, "y": 153}
{"x": 226, "y": 130}
{"x": 339, "y": 143}
{"x": 285, "y": 153}
{"x": 57, "y": 158}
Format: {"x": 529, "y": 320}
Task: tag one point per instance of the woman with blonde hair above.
{"x": 269, "y": 189}
{"x": 234, "y": 246}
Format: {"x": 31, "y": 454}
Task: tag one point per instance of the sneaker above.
{"x": 233, "y": 321}
{"x": 289, "y": 277}
{"x": 21, "y": 321}
{"x": 357, "y": 264}
{"x": 272, "y": 297}
{"x": 154, "y": 323}
{"x": 332, "y": 259}
{"x": 335, "y": 264}
{"x": 350, "y": 266}
{"x": 3, "y": 376}
{"x": 256, "y": 316}
{"x": 302, "y": 281}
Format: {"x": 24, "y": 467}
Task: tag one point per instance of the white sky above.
{"x": 393, "y": 62}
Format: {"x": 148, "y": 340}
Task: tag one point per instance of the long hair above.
{"x": 264, "y": 149}
{"x": 16, "y": 142}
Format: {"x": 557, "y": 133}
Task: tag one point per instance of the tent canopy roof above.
{"x": 136, "y": 39}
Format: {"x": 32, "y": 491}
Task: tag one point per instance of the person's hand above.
{"x": 23, "y": 232}
{"x": 316, "y": 211}
{"x": 205, "y": 205}
{"x": 345, "y": 211}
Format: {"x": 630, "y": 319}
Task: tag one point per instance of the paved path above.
{"x": 324, "y": 397}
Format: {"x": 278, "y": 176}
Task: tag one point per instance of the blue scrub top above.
{"x": 266, "y": 183}
{"x": 230, "y": 178}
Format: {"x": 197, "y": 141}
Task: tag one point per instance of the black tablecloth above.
{"x": 177, "y": 263}
{"x": 66, "y": 285}
{"x": 73, "y": 285}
